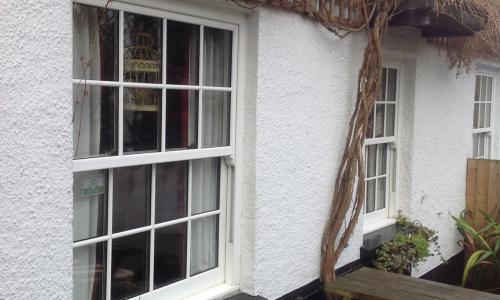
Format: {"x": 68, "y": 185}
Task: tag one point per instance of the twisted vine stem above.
{"x": 351, "y": 173}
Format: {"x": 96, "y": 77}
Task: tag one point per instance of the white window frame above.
{"x": 384, "y": 217}
{"x": 489, "y": 131}
{"x": 225, "y": 278}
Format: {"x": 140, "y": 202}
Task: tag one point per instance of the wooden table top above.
{"x": 368, "y": 283}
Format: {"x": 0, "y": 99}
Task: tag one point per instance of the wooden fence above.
{"x": 483, "y": 189}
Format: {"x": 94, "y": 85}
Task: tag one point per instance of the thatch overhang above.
{"x": 467, "y": 29}
{"x": 422, "y": 15}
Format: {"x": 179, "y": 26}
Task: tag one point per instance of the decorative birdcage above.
{"x": 142, "y": 64}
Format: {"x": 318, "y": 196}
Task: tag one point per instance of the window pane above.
{"x": 170, "y": 254}
{"x": 392, "y": 84}
{"x": 478, "y": 88}
{"x": 141, "y": 120}
{"x": 205, "y": 187}
{"x": 131, "y": 197}
{"x": 216, "y": 112}
{"x": 95, "y": 119}
{"x": 217, "y": 56}
{"x": 483, "y": 88}
{"x": 383, "y": 84}
{"x": 183, "y": 41}
{"x": 181, "y": 119}
{"x": 481, "y": 144}
{"x": 379, "y": 120}
{"x": 95, "y": 43}
{"x": 89, "y": 272}
{"x": 142, "y": 41}
{"x": 475, "y": 145}
{"x": 369, "y": 128}
{"x": 370, "y": 195}
{"x": 481, "y": 115}
{"x": 204, "y": 244}
{"x": 489, "y": 87}
{"x": 381, "y": 195}
{"x": 487, "y": 115}
{"x": 476, "y": 115}
{"x": 130, "y": 266}
{"x": 381, "y": 159}
{"x": 486, "y": 146}
{"x": 171, "y": 191}
{"x": 391, "y": 118}
{"x": 371, "y": 160}
{"x": 90, "y": 196}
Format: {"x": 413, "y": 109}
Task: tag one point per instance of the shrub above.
{"x": 483, "y": 248}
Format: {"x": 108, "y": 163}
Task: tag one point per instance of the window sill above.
{"x": 380, "y": 232}
{"x": 378, "y": 225}
{"x": 216, "y": 292}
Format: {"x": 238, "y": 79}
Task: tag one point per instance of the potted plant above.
{"x": 409, "y": 247}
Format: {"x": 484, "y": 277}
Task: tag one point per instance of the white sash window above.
{"x": 154, "y": 109}
{"x": 380, "y": 150}
{"x": 483, "y": 117}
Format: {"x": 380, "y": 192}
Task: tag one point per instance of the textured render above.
{"x": 442, "y": 143}
{"x": 305, "y": 93}
{"x": 35, "y": 148}
{"x": 305, "y": 86}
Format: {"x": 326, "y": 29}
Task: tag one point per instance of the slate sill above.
{"x": 374, "y": 239}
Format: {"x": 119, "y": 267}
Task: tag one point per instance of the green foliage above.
{"x": 483, "y": 244}
{"x": 418, "y": 240}
{"x": 408, "y": 248}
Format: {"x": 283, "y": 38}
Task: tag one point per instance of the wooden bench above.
{"x": 367, "y": 283}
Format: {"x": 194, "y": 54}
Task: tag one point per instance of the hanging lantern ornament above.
{"x": 143, "y": 64}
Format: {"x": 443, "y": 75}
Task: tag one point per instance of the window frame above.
{"x": 488, "y": 131}
{"x": 384, "y": 217}
{"x": 225, "y": 277}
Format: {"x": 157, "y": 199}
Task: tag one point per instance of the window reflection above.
{"x": 205, "y": 186}
{"x": 171, "y": 191}
{"x": 181, "y": 130}
{"x": 130, "y": 266}
{"x": 141, "y": 120}
{"x": 217, "y": 56}
{"x": 216, "y": 118}
{"x": 131, "y": 197}
{"x": 90, "y": 194}
{"x": 95, "y": 43}
{"x": 183, "y": 41}
{"x": 142, "y": 54}
{"x": 95, "y": 121}
{"x": 170, "y": 254}
{"x": 89, "y": 272}
{"x": 204, "y": 244}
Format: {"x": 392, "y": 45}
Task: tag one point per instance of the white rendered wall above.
{"x": 35, "y": 148}
{"x": 302, "y": 93}
{"x": 305, "y": 90}
{"x": 443, "y": 112}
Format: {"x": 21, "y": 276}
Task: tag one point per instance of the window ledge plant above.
{"x": 412, "y": 245}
